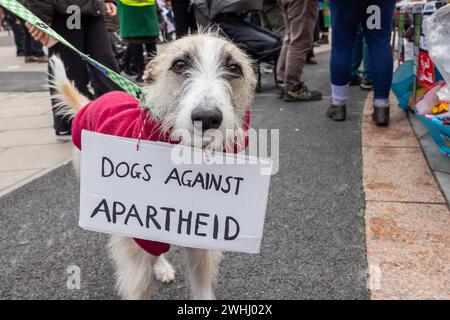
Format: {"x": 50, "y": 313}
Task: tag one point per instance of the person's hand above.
{"x": 111, "y": 9}
{"x": 39, "y": 35}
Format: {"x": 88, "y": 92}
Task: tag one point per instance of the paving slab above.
{"x": 27, "y": 137}
{"x": 398, "y": 174}
{"x": 34, "y": 157}
{"x": 399, "y": 134}
{"x": 408, "y": 250}
{"x": 437, "y": 160}
{"x": 444, "y": 182}
{"x": 23, "y": 81}
{"x": 417, "y": 126}
{"x": 28, "y": 122}
{"x": 10, "y": 178}
{"x": 10, "y": 63}
{"x": 30, "y": 110}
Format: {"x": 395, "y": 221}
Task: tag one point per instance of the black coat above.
{"x": 46, "y": 9}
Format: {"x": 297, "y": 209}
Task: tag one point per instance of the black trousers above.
{"x": 184, "y": 17}
{"x": 92, "y": 39}
{"x": 19, "y": 37}
{"x": 31, "y": 47}
{"x": 136, "y": 52}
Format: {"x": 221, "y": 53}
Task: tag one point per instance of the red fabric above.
{"x": 119, "y": 114}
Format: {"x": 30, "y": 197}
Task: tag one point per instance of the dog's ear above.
{"x": 152, "y": 70}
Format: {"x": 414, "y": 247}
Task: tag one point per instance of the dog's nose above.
{"x": 210, "y": 118}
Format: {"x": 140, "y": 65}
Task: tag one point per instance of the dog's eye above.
{"x": 179, "y": 66}
{"x": 234, "y": 69}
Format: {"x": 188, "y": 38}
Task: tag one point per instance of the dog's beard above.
{"x": 211, "y": 140}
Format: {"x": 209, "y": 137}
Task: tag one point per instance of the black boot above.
{"x": 380, "y": 116}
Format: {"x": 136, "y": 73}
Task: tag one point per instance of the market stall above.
{"x": 422, "y": 50}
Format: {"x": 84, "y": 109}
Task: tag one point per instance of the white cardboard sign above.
{"x": 145, "y": 194}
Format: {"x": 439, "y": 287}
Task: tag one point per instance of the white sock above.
{"x": 382, "y": 103}
{"x": 339, "y": 94}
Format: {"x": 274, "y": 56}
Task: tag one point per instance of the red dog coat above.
{"x": 119, "y": 114}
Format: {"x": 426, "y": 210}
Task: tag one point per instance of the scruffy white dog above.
{"x": 198, "y": 79}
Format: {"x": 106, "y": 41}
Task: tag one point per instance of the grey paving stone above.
{"x": 437, "y": 161}
{"x": 23, "y": 81}
{"x": 417, "y": 126}
{"x": 6, "y": 41}
{"x": 444, "y": 182}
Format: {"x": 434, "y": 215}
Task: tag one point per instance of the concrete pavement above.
{"x": 28, "y": 147}
{"x": 407, "y": 218}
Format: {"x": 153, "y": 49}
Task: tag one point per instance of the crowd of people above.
{"x": 302, "y": 24}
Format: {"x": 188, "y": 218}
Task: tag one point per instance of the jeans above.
{"x": 346, "y": 16}
{"x": 92, "y": 39}
{"x": 361, "y": 54}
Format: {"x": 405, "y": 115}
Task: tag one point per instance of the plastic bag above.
{"x": 437, "y": 34}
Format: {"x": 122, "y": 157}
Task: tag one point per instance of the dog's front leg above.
{"x": 133, "y": 268}
{"x": 202, "y": 267}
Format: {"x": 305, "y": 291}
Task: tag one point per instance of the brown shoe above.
{"x": 337, "y": 113}
{"x": 323, "y": 40}
{"x": 380, "y": 116}
{"x": 29, "y": 59}
{"x": 43, "y": 59}
{"x": 301, "y": 93}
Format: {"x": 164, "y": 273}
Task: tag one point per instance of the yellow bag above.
{"x": 138, "y": 3}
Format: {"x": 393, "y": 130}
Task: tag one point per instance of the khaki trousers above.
{"x": 300, "y": 18}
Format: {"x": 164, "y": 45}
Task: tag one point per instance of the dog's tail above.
{"x": 69, "y": 99}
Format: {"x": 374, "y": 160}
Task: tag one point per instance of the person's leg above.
{"x": 33, "y": 51}
{"x": 310, "y": 57}
{"x": 129, "y": 67}
{"x": 27, "y": 44}
{"x": 37, "y": 49}
{"x": 323, "y": 29}
{"x": 366, "y": 61}
{"x": 184, "y": 18}
{"x": 151, "y": 49}
{"x": 96, "y": 43}
{"x": 281, "y": 64}
{"x": 302, "y": 22}
{"x": 357, "y": 55}
{"x": 75, "y": 70}
{"x": 317, "y": 29}
{"x": 345, "y": 19}
{"x": 321, "y": 21}
{"x": 366, "y": 80}
{"x": 378, "y": 41}
{"x": 137, "y": 56}
{"x": 192, "y": 22}
{"x": 344, "y": 22}
{"x": 19, "y": 37}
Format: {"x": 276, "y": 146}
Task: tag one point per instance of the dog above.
{"x": 200, "y": 79}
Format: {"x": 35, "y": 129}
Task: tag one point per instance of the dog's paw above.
{"x": 163, "y": 270}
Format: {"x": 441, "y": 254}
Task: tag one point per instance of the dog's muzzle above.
{"x": 210, "y": 118}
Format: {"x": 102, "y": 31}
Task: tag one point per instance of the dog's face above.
{"x": 202, "y": 85}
